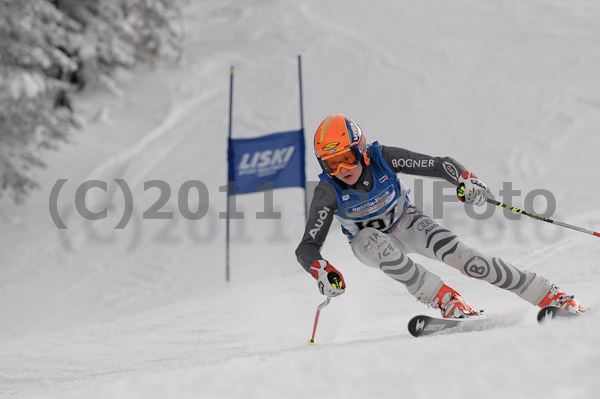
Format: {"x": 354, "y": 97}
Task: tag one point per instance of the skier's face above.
{"x": 350, "y": 176}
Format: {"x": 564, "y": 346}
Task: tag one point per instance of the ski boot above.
{"x": 556, "y": 297}
{"x": 452, "y": 305}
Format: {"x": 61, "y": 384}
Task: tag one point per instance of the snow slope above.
{"x": 510, "y": 89}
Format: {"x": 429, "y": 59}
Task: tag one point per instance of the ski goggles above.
{"x": 348, "y": 159}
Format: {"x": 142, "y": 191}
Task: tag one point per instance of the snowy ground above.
{"x": 510, "y": 89}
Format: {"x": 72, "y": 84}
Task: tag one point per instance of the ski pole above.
{"x": 542, "y": 218}
{"x": 461, "y": 193}
{"x": 321, "y": 306}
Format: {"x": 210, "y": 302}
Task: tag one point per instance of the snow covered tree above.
{"x": 34, "y": 37}
{"x": 121, "y": 33}
{"x": 51, "y": 48}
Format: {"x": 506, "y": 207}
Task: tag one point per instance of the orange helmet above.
{"x": 339, "y": 142}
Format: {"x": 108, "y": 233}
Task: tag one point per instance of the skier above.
{"x": 360, "y": 188}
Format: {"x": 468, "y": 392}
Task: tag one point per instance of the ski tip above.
{"x": 417, "y": 324}
{"x": 545, "y": 314}
{"x": 551, "y": 312}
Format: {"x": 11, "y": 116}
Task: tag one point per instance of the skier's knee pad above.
{"x": 372, "y": 247}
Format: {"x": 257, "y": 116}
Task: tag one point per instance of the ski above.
{"x": 551, "y": 312}
{"x": 423, "y": 325}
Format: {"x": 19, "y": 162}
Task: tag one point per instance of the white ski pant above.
{"x": 418, "y": 233}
